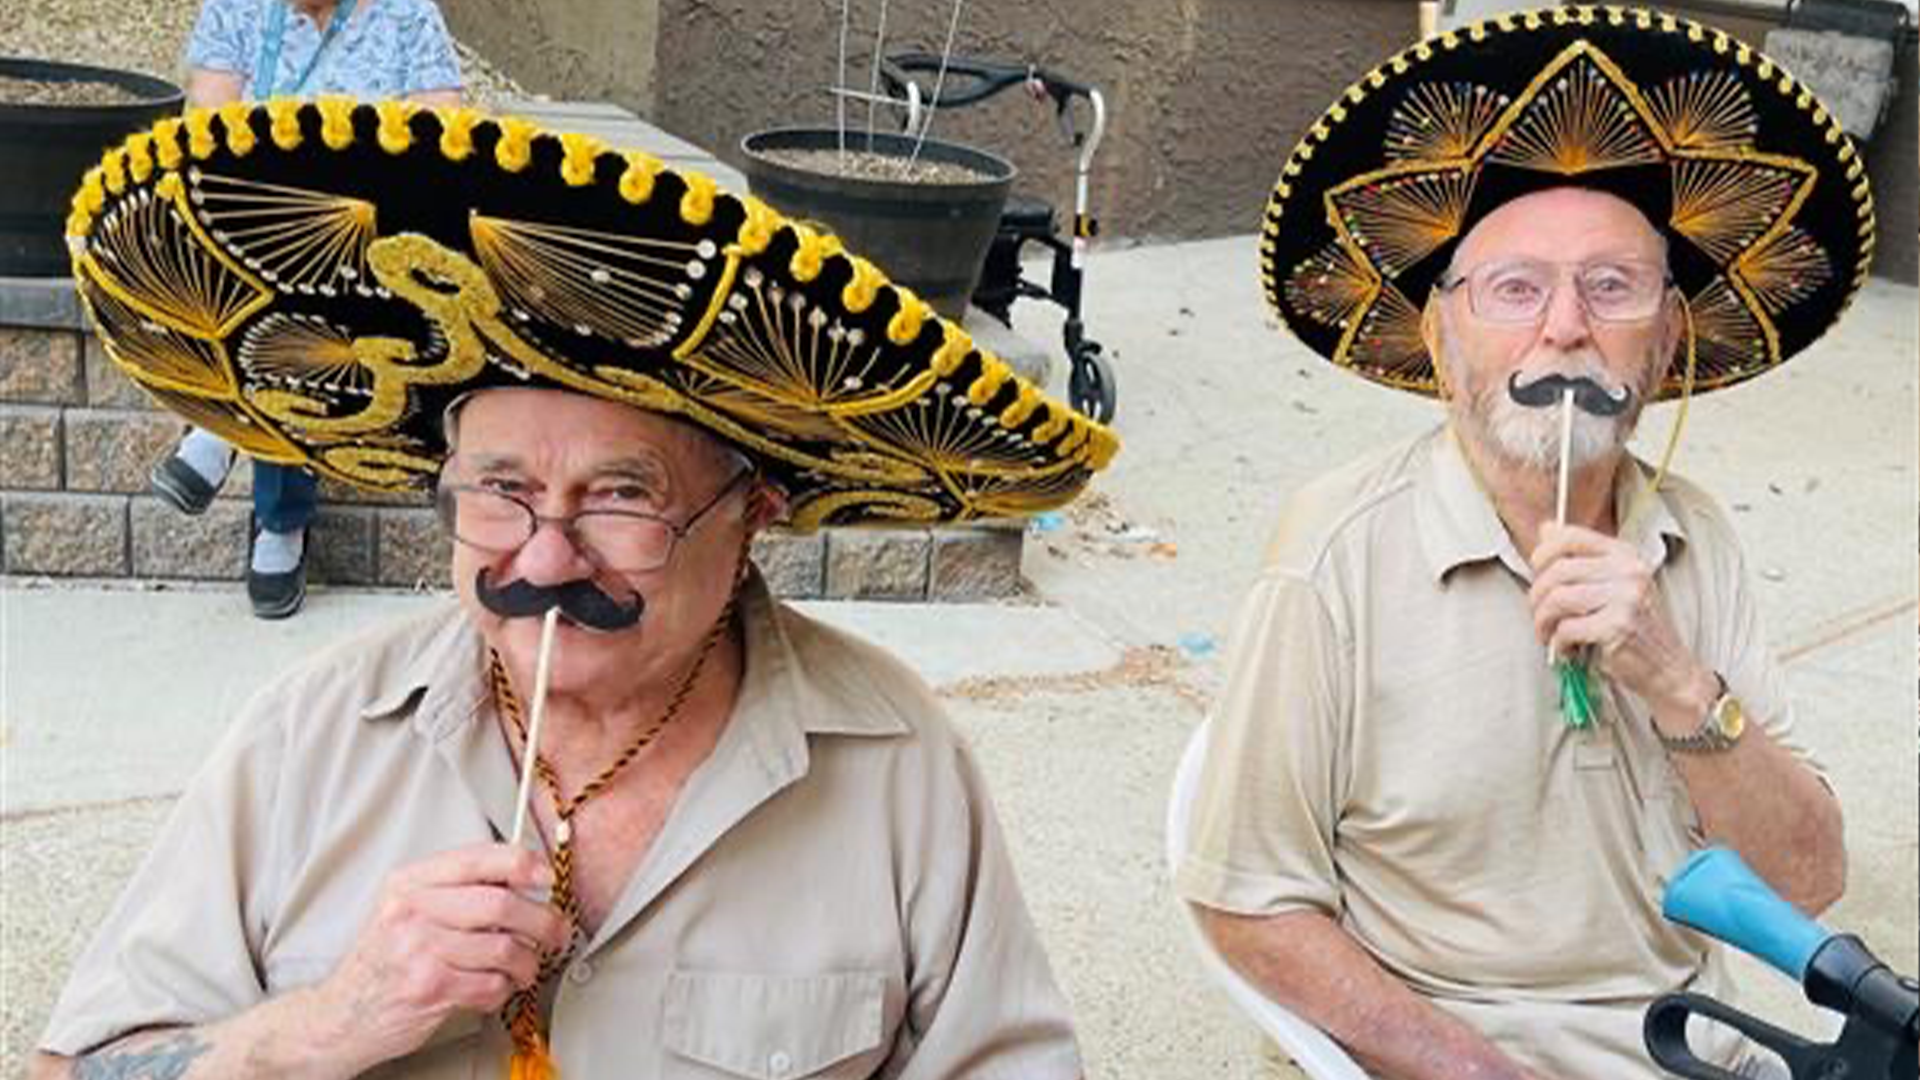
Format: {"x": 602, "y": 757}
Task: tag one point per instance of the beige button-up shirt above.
{"x": 830, "y": 897}
{"x": 1389, "y": 751}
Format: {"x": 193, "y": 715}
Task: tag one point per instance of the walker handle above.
{"x": 1665, "y": 1033}
{"x": 970, "y": 80}
{"x": 1716, "y": 894}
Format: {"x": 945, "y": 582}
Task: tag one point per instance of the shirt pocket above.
{"x": 772, "y": 1027}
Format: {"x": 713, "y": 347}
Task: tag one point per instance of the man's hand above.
{"x": 1595, "y": 591}
{"x": 450, "y": 933}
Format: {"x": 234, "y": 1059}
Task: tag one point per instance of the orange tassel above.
{"x": 531, "y": 1059}
{"x": 532, "y": 1062}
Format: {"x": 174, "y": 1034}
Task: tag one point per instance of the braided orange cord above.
{"x": 532, "y": 1058}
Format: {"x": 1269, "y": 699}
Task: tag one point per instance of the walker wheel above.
{"x": 1091, "y": 388}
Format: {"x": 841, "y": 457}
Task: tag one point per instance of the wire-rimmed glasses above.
{"x": 1520, "y": 290}
{"x": 630, "y": 541}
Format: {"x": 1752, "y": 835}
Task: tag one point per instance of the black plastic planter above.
{"x": 930, "y": 237}
{"x": 45, "y": 149}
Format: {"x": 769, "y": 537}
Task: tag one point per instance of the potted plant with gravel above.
{"x": 56, "y": 119}
{"x": 924, "y": 210}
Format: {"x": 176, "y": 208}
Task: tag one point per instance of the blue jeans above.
{"x": 284, "y": 498}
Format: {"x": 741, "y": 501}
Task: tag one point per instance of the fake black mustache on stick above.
{"x": 582, "y": 602}
{"x": 1590, "y": 396}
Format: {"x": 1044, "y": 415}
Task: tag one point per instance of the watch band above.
{"x": 1719, "y": 729}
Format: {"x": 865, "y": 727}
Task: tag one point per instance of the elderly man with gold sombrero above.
{"x": 1414, "y": 829}
{"x": 618, "y": 812}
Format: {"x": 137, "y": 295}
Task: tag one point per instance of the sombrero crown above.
{"x": 1761, "y": 195}
{"x": 316, "y": 281}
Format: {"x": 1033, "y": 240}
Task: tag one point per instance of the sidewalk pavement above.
{"x": 1079, "y": 704}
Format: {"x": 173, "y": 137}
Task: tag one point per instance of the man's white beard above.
{"x": 1529, "y": 438}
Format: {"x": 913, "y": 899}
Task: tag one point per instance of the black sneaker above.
{"x": 183, "y": 488}
{"x": 276, "y": 596}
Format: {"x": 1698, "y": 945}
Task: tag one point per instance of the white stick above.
{"x": 1566, "y": 455}
{"x": 532, "y": 749}
{"x": 1566, "y": 468}
{"x": 840, "y": 80}
{"x": 873, "y": 82}
{"x": 946, "y": 54}
{"x": 877, "y": 99}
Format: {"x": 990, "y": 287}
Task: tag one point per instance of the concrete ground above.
{"x": 1079, "y": 704}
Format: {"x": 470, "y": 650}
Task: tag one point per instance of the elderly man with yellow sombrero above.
{"x": 1414, "y": 829}
{"x": 618, "y": 812}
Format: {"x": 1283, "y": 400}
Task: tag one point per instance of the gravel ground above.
{"x": 60, "y": 872}
{"x": 150, "y": 36}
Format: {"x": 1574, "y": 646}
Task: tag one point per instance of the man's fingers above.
{"x": 1578, "y": 572}
{"x": 488, "y": 951}
{"x": 1611, "y": 561}
{"x": 491, "y": 907}
{"x": 1565, "y": 602}
{"x": 1570, "y": 635}
{"x": 1559, "y": 542}
{"x": 1606, "y": 629}
{"x": 489, "y": 863}
{"x": 481, "y": 991}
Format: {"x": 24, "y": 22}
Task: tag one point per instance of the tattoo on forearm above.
{"x": 164, "y": 1061}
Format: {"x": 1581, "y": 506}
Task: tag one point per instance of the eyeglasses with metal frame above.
{"x": 628, "y": 541}
{"x": 1519, "y": 291}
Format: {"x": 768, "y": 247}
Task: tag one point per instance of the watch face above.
{"x": 1731, "y": 719}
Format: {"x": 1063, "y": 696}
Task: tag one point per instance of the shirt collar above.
{"x": 437, "y": 682}
{"x": 795, "y": 685}
{"x": 1458, "y": 524}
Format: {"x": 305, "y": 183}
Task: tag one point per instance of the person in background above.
{"x": 259, "y": 49}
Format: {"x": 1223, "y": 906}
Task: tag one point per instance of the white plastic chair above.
{"x": 1309, "y": 1048}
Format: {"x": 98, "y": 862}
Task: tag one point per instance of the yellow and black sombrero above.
{"x": 316, "y": 280}
{"x": 1762, "y": 196}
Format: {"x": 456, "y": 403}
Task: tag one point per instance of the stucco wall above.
{"x": 589, "y": 50}
{"x": 1895, "y": 160}
{"x": 1207, "y": 96}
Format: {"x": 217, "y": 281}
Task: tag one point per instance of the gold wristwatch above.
{"x": 1719, "y": 730}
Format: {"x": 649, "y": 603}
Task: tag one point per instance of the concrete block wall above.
{"x": 77, "y": 440}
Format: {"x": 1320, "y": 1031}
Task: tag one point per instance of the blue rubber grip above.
{"x": 1715, "y": 893}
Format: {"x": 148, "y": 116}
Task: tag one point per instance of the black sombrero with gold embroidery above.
{"x": 315, "y": 281}
{"x": 1762, "y": 196}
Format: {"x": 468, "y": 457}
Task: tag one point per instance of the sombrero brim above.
{"x": 1761, "y": 194}
{"x": 316, "y": 280}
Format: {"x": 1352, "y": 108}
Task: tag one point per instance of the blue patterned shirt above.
{"x": 389, "y": 48}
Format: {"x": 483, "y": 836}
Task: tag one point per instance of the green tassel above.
{"x": 1576, "y": 694}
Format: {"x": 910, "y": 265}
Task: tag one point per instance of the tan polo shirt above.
{"x": 1388, "y": 750}
{"x": 830, "y": 897}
